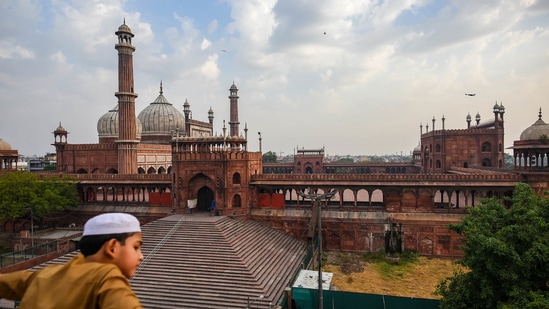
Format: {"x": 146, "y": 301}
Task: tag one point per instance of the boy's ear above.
{"x": 111, "y": 247}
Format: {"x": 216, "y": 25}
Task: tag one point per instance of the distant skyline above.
{"x": 355, "y": 77}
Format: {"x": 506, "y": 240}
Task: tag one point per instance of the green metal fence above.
{"x": 12, "y": 258}
{"x": 308, "y": 299}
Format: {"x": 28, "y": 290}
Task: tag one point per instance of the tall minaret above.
{"x": 233, "y": 122}
{"x": 127, "y": 130}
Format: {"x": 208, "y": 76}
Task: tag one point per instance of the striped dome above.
{"x": 107, "y": 125}
{"x": 161, "y": 119}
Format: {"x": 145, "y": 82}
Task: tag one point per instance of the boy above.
{"x": 95, "y": 278}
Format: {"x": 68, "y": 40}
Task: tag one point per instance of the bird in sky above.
{"x": 470, "y": 94}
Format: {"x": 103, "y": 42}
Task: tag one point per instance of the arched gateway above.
{"x": 205, "y": 197}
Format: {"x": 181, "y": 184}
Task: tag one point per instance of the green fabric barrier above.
{"x": 308, "y": 299}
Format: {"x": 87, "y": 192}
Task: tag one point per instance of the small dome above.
{"x": 417, "y": 149}
{"x": 160, "y": 119}
{"x": 124, "y": 28}
{"x": 124, "y": 33}
{"x": 536, "y": 130}
{"x": 60, "y": 129}
{"x": 107, "y": 125}
{"x": 4, "y": 145}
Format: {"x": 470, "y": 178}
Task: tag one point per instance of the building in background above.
{"x": 9, "y": 158}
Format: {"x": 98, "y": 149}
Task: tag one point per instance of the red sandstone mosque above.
{"x": 162, "y": 162}
{"x": 169, "y": 169}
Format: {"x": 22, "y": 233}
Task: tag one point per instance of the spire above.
{"x": 161, "y": 92}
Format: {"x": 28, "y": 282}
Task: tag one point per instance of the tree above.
{"x": 508, "y": 161}
{"x": 506, "y": 255}
{"x": 50, "y": 167}
{"x": 345, "y": 160}
{"x": 24, "y": 193}
{"x": 269, "y": 157}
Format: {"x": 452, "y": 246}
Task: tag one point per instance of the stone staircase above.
{"x": 197, "y": 261}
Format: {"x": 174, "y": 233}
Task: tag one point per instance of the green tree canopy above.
{"x": 506, "y": 253}
{"x": 21, "y": 192}
{"x": 269, "y": 157}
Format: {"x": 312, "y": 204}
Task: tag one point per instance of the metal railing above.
{"x": 9, "y": 259}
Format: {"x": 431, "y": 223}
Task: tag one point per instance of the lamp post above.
{"x": 317, "y": 200}
{"x": 32, "y": 231}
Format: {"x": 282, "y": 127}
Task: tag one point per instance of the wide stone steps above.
{"x": 198, "y": 261}
{"x": 215, "y": 262}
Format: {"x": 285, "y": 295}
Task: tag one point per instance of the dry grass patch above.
{"x": 409, "y": 276}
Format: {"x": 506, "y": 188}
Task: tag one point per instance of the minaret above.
{"x": 233, "y": 122}
{"x": 211, "y": 119}
{"x": 60, "y": 135}
{"x": 187, "y": 112}
{"x": 127, "y": 130}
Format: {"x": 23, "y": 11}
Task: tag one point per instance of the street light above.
{"x": 316, "y": 200}
{"x": 32, "y": 228}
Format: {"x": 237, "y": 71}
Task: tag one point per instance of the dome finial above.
{"x": 539, "y": 115}
{"x": 161, "y": 92}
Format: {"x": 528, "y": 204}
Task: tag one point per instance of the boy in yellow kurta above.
{"x": 95, "y": 278}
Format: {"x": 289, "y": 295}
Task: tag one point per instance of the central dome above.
{"x": 160, "y": 120}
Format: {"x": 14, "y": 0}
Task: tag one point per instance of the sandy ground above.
{"x": 418, "y": 279}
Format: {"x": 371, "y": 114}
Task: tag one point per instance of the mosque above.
{"x": 163, "y": 161}
{"x": 165, "y": 167}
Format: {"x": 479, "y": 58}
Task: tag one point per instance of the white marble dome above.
{"x": 160, "y": 119}
{"x": 107, "y": 125}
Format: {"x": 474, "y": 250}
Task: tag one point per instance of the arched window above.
{"x": 236, "y": 179}
{"x": 439, "y": 164}
{"x": 486, "y": 162}
{"x": 437, "y": 148}
{"x": 486, "y": 147}
{"x": 237, "y": 201}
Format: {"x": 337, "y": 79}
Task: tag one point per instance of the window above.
{"x": 236, "y": 179}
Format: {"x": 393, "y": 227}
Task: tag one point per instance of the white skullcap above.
{"x": 111, "y": 223}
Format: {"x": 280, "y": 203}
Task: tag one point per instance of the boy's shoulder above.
{"x": 79, "y": 267}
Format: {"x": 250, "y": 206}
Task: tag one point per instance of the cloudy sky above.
{"x": 353, "y": 76}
